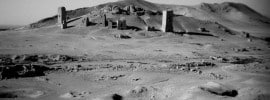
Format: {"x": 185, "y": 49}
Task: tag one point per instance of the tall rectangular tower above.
{"x": 167, "y": 21}
{"x": 62, "y": 17}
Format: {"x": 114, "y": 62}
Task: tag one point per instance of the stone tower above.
{"x": 105, "y": 22}
{"x": 85, "y": 22}
{"x": 62, "y": 17}
{"x": 167, "y": 21}
{"x": 121, "y": 24}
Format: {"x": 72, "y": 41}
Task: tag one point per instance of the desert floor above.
{"x": 94, "y": 63}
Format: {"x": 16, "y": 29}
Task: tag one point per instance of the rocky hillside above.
{"x": 53, "y": 20}
{"x": 226, "y": 13}
{"x": 82, "y": 11}
{"x": 139, "y": 3}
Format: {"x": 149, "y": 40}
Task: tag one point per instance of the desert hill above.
{"x": 9, "y": 27}
{"x": 225, "y": 12}
{"x": 140, "y": 3}
{"x": 212, "y": 53}
{"x": 236, "y": 16}
{"x": 82, "y": 11}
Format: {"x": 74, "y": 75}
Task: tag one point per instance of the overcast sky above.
{"x": 22, "y": 12}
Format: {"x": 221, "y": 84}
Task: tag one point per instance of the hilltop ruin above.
{"x": 115, "y": 17}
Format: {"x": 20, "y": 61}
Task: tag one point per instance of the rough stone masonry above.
{"x": 167, "y": 21}
{"x": 121, "y": 24}
{"x": 62, "y": 17}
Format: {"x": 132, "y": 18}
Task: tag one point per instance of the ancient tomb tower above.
{"x": 104, "y": 20}
{"x": 121, "y": 24}
{"x": 62, "y": 17}
{"x": 167, "y": 21}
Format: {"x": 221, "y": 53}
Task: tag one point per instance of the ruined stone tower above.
{"x": 62, "y": 17}
{"x": 85, "y": 22}
{"x": 121, "y": 24}
{"x": 167, "y": 21}
{"x": 105, "y": 22}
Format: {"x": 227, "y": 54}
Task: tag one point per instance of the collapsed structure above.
{"x": 121, "y": 24}
{"x": 85, "y": 22}
{"x": 62, "y": 17}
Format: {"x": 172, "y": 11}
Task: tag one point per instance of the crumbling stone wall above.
{"x": 121, "y": 24}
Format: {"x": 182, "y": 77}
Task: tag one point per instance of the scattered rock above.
{"x": 159, "y": 50}
{"x": 17, "y": 71}
{"x": 42, "y": 79}
{"x": 203, "y": 30}
{"x": 219, "y": 59}
{"x": 222, "y": 39}
{"x": 138, "y": 91}
{"x": 115, "y": 77}
{"x": 200, "y": 72}
{"x": 246, "y": 34}
{"x": 74, "y": 94}
{"x": 216, "y": 76}
{"x": 136, "y": 79}
{"x": 111, "y": 97}
{"x": 122, "y": 36}
{"x": 43, "y": 59}
{"x": 249, "y": 40}
{"x": 240, "y": 49}
{"x": 67, "y": 95}
{"x": 191, "y": 65}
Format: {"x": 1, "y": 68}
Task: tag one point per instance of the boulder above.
{"x": 218, "y": 89}
{"x": 138, "y": 91}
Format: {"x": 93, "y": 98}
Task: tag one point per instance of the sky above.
{"x": 23, "y": 12}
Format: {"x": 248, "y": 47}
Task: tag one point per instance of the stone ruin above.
{"x": 85, "y": 22}
{"x": 100, "y": 18}
{"x": 167, "y": 21}
{"x": 121, "y": 24}
{"x": 150, "y": 28}
{"x": 130, "y": 9}
{"x": 116, "y": 10}
{"x": 107, "y": 9}
{"x": 127, "y": 10}
{"x": 104, "y": 20}
{"x": 134, "y": 10}
{"x": 112, "y": 24}
{"x": 62, "y": 17}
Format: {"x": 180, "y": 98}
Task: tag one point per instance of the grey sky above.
{"x": 22, "y": 12}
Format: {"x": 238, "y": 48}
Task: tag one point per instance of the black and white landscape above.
{"x": 139, "y": 50}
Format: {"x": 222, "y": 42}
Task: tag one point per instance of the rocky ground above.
{"x": 216, "y": 52}
{"x": 54, "y": 64}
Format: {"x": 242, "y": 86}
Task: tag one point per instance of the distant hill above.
{"x": 9, "y": 27}
{"x": 223, "y": 12}
{"x": 140, "y": 3}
